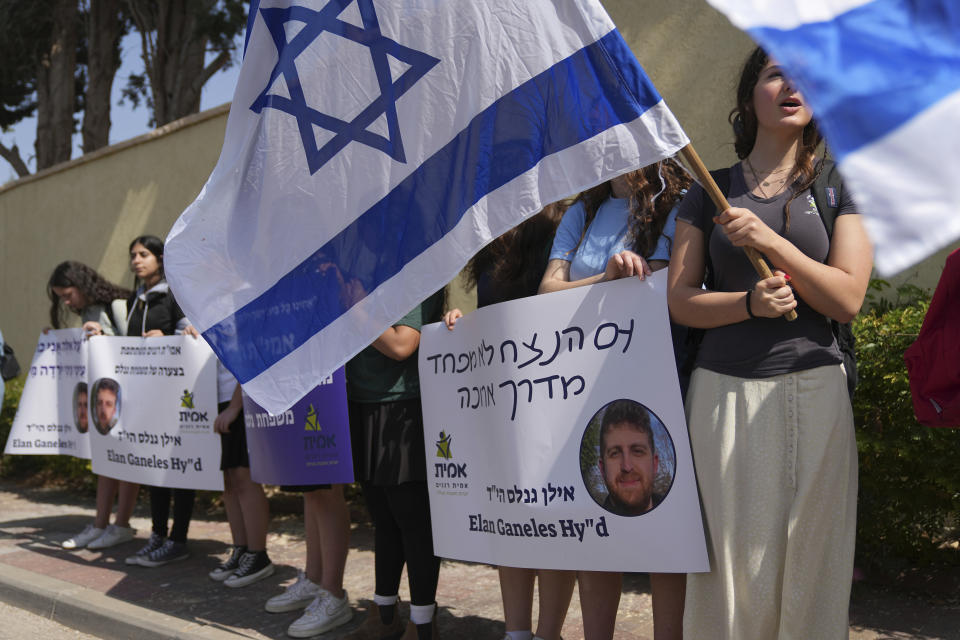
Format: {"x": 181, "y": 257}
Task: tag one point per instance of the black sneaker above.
{"x": 254, "y": 566}
{"x": 155, "y": 542}
{"x": 170, "y": 551}
{"x": 228, "y": 566}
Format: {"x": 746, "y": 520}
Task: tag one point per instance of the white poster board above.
{"x": 52, "y": 416}
{"x": 514, "y": 399}
{"x": 153, "y": 402}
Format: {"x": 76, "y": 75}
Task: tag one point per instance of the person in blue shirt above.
{"x": 621, "y": 228}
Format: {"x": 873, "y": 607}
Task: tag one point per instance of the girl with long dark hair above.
{"x": 621, "y": 228}
{"x": 768, "y": 408}
{"x": 152, "y": 311}
{"x": 506, "y": 269}
{"x": 102, "y": 308}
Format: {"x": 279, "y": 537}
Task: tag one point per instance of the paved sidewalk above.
{"x": 97, "y": 593}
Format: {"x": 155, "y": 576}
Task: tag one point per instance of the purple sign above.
{"x": 307, "y": 444}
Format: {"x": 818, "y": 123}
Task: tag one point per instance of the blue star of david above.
{"x": 316, "y": 22}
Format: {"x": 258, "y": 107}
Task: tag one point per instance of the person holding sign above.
{"x": 318, "y": 589}
{"x": 621, "y": 228}
{"x": 248, "y": 511}
{"x": 152, "y": 311}
{"x": 769, "y": 413}
{"x": 386, "y": 434}
{"x": 101, "y": 306}
{"x": 506, "y": 269}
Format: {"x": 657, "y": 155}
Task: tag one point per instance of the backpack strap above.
{"x": 826, "y": 191}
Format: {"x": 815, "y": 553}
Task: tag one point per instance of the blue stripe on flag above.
{"x": 600, "y": 86}
{"x": 871, "y": 69}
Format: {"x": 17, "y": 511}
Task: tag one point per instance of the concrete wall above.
{"x": 90, "y": 208}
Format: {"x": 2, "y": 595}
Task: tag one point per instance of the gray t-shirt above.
{"x": 764, "y": 347}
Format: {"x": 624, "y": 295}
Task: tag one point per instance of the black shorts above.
{"x": 387, "y": 442}
{"x": 233, "y": 444}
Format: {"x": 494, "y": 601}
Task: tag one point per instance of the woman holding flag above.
{"x": 768, "y": 408}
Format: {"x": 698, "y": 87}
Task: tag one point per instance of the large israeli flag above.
{"x": 373, "y": 146}
{"x": 883, "y": 77}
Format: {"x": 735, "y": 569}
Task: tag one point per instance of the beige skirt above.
{"x": 776, "y": 465}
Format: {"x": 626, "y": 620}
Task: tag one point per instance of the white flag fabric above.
{"x": 373, "y": 147}
{"x": 883, "y": 78}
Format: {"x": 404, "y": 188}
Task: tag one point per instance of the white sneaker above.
{"x": 297, "y": 596}
{"x": 113, "y": 536}
{"x": 82, "y": 539}
{"x": 321, "y": 615}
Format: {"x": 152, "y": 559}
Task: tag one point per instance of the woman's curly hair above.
{"x": 744, "y": 122}
{"x": 94, "y": 287}
{"x": 654, "y": 191}
{"x": 517, "y": 253}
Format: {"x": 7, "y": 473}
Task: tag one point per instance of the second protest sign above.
{"x": 153, "y": 403}
{"x": 555, "y": 434}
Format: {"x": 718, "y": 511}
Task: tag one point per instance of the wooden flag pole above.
{"x": 720, "y": 201}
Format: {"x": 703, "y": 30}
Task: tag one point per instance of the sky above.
{"x": 126, "y": 122}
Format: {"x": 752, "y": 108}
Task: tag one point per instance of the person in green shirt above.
{"x": 389, "y": 461}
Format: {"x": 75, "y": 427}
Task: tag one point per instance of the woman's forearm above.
{"x": 556, "y": 284}
{"x": 702, "y": 309}
{"x": 835, "y": 289}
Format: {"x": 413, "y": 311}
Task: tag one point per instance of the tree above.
{"x": 104, "y": 29}
{"x": 176, "y": 36}
{"x": 56, "y": 90}
{"x": 22, "y": 26}
{"x": 40, "y": 43}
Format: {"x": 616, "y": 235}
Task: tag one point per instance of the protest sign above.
{"x": 52, "y": 416}
{"x": 555, "y": 434}
{"x": 305, "y": 445}
{"x": 153, "y": 403}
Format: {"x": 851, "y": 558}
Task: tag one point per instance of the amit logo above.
{"x": 448, "y": 470}
{"x": 443, "y": 446}
{"x": 316, "y": 441}
{"x": 311, "y": 423}
{"x": 190, "y": 418}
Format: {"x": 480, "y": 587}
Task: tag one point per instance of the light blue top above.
{"x": 606, "y": 236}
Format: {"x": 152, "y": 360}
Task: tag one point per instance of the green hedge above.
{"x": 909, "y": 476}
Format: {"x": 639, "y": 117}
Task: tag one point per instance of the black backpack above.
{"x": 9, "y": 367}
{"x": 826, "y": 192}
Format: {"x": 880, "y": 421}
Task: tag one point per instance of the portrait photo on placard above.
{"x": 627, "y": 458}
{"x": 81, "y": 407}
{"x": 105, "y": 404}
